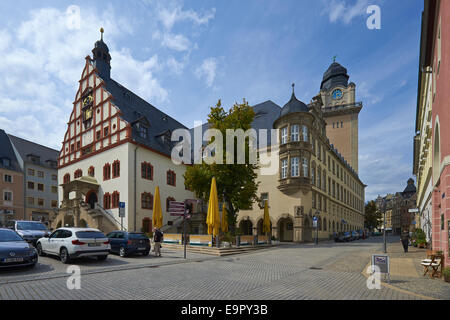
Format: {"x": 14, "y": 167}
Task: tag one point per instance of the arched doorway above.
{"x": 286, "y": 229}
{"x": 91, "y": 198}
{"x": 260, "y": 227}
{"x": 246, "y": 227}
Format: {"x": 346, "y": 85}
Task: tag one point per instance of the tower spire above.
{"x": 102, "y": 31}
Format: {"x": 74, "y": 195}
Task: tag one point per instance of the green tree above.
{"x": 236, "y": 183}
{"x": 372, "y": 216}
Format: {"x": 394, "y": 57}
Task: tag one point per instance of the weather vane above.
{"x": 293, "y": 85}
{"x": 334, "y": 58}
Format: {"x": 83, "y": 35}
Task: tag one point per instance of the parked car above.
{"x": 72, "y": 243}
{"x": 339, "y": 237}
{"x": 30, "y": 231}
{"x": 15, "y": 251}
{"x": 354, "y": 235}
{"x": 346, "y": 236}
{"x": 126, "y": 243}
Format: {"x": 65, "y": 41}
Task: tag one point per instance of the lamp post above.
{"x": 317, "y": 227}
{"x": 384, "y": 228}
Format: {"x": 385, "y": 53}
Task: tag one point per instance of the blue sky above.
{"x": 182, "y": 56}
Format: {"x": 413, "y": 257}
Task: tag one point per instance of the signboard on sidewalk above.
{"x": 382, "y": 262}
{"x": 176, "y": 208}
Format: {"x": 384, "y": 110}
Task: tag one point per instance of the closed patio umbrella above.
{"x": 213, "y": 218}
{"x": 157, "y": 212}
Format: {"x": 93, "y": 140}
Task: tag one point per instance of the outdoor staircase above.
{"x": 105, "y": 221}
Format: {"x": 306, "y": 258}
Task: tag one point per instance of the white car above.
{"x": 71, "y": 243}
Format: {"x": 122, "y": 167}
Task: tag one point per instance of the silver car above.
{"x": 30, "y": 231}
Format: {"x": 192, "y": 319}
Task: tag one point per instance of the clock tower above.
{"x": 340, "y": 112}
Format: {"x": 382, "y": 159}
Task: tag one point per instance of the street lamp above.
{"x": 384, "y": 228}
{"x": 317, "y": 226}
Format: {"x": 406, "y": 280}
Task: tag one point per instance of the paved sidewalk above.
{"x": 407, "y": 272}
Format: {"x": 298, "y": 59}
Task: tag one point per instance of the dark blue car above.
{"x": 126, "y": 243}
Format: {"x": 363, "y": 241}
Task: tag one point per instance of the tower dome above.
{"x": 102, "y": 58}
{"x": 294, "y": 105}
{"x": 335, "y": 75}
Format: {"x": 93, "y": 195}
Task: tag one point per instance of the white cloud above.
{"x": 171, "y": 14}
{"x": 176, "y": 42}
{"x": 40, "y": 70}
{"x": 344, "y": 10}
{"x": 207, "y": 71}
{"x": 175, "y": 66}
{"x": 169, "y": 17}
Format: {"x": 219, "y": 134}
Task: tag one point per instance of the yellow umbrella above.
{"x": 266, "y": 221}
{"x": 224, "y": 225}
{"x": 157, "y": 212}
{"x": 213, "y": 218}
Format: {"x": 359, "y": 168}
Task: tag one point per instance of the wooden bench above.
{"x": 433, "y": 263}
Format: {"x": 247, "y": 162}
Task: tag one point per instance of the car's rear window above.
{"x": 89, "y": 234}
{"x": 134, "y": 236}
{"x": 9, "y": 235}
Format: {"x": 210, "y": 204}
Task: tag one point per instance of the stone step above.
{"x": 217, "y": 251}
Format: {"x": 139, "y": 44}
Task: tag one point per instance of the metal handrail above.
{"x": 103, "y": 210}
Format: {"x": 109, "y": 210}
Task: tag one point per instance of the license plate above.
{"x": 142, "y": 248}
{"x": 94, "y": 244}
{"x": 8, "y": 260}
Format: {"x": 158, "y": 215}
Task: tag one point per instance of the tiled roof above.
{"x": 7, "y": 152}
{"x": 25, "y": 148}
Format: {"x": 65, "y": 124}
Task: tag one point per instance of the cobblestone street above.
{"x": 287, "y": 272}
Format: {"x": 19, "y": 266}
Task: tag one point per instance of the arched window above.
{"x": 147, "y": 201}
{"x": 78, "y": 174}
{"x": 305, "y": 133}
{"x": 107, "y": 172}
{"x": 305, "y": 166}
{"x": 115, "y": 199}
{"x": 91, "y": 171}
{"x": 66, "y": 178}
{"x": 146, "y": 171}
{"x": 146, "y": 225}
{"x": 319, "y": 178}
{"x": 107, "y": 201}
{"x": 116, "y": 169}
{"x": 171, "y": 178}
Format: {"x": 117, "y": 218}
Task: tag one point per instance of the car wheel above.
{"x": 122, "y": 252}
{"x": 64, "y": 256}
{"x": 102, "y": 258}
{"x": 39, "y": 250}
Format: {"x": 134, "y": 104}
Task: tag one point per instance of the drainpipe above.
{"x": 135, "y": 191}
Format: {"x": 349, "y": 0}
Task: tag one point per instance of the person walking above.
{"x": 157, "y": 238}
{"x": 404, "y": 238}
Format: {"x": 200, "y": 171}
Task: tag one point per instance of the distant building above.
{"x": 39, "y": 166}
{"x": 11, "y": 182}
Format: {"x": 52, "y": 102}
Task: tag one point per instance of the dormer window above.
{"x": 6, "y": 162}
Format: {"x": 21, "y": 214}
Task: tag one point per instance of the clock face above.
{"x": 337, "y": 94}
